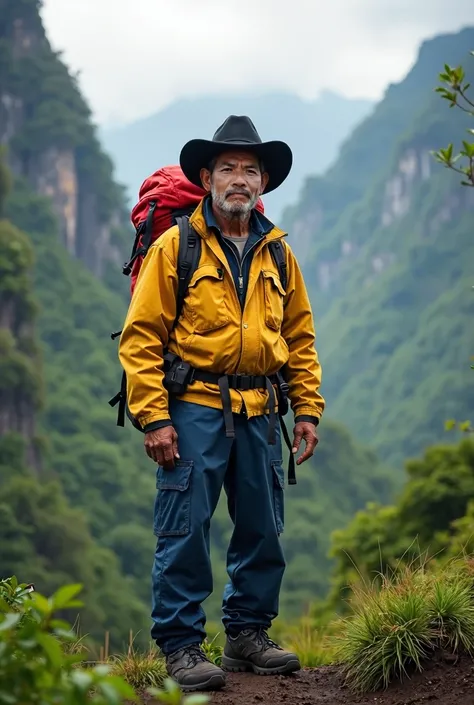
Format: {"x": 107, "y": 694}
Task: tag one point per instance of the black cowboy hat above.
{"x": 237, "y": 132}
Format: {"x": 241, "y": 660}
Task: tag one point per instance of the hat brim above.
{"x": 277, "y": 158}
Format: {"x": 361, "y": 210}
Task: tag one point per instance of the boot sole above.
{"x": 236, "y": 666}
{"x": 214, "y": 682}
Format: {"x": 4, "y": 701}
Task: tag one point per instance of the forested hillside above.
{"x": 390, "y": 253}
{"x": 76, "y": 492}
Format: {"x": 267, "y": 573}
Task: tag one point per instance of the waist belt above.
{"x": 243, "y": 383}
{"x": 180, "y": 373}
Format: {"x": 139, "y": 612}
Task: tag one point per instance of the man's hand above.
{"x": 307, "y": 431}
{"x": 162, "y": 446}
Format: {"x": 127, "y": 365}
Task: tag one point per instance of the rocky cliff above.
{"x": 45, "y": 125}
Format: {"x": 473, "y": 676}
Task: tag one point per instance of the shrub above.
{"x": 41, "y": 657}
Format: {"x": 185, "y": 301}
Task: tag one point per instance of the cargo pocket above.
{"x": 274, "y": 296}
{"x": 173, "y": 500}
{"x": 278, "y": 494}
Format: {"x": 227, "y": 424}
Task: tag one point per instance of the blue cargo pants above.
{"x": 252, "y": 475}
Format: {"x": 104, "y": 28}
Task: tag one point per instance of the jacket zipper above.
{"x": 240, "y": 261}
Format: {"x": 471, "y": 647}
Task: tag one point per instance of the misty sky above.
{"x": 136, "y": 56}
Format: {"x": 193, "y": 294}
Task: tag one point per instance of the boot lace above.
{"x": 262, "y": 639}
{"x": 195, "y": 654}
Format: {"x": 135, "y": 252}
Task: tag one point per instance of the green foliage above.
{"x": 396, "y": 629}
{"x": 42, "y": 661}
{"x": 457, "y": 95}
{"x": 171, "y": 694}
{"x": 427, "y": 519}
{"x": 34, "y": 667}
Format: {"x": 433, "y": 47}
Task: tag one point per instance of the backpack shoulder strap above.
{"x": 189, "y": 254}
{"x": 279, "y": 257}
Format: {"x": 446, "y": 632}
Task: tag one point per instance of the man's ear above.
{"x": 265, "y": 179}
{"x": 205, "y": 175}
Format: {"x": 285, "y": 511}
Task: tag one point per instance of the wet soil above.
{"x": 444, "y": 682}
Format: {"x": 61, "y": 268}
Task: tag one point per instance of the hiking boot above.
{"x": 253, "y": 650}
{"x": 192, "y": 670}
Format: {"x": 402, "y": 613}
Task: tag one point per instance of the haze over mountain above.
{"x": 313, "y": 129}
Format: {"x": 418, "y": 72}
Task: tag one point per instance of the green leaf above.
{"x": 52, "y": 648}
{"x": 9, "y": 621}
{"x": 110, "y": 693}
{"x": 62, "y": 598}
{"x": 41, "y": 604}
{"x": 468, "y": 148}
{"x": 171, "y": 686}
{"x": 449, "y": 425}
{"x": 4, "y": 606}
{"x": 102, "y": 669}
{"x": 197, "y": 700}
{"x": 122, "y": 687}
{"x": 81, "y": 679}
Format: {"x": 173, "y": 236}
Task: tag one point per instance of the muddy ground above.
{"x": 441, "y": 683}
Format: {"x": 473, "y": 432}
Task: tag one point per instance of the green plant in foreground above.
{"x": 41, "y": 658}
{"x": 456, "y": 94}
{"x": 171, "y": 694}
{"x": 33, "y": 665}
{"x": 394, "y": 630}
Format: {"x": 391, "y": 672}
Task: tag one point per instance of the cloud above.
{"x": 135, "y": 56}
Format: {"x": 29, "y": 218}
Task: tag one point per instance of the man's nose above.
{"x": 239, "y": 179}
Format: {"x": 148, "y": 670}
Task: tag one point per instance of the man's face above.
{"x": 236, "y": 182}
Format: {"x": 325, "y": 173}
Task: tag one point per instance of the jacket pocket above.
{"x": 279, "y": 494}
{"x": 173, "y": 501}
{"x": 274, "y": 296}
{"x": 206, "y": 301}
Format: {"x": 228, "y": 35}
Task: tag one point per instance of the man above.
{"x": 239, "y": 328}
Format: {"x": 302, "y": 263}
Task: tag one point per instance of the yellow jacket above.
{"x": 213, "y": 333}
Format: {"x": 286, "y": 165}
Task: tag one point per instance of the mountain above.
{"x": 76, "y": 491}
{"x": 386, "y": 240}
{"x": 314, "y": 130}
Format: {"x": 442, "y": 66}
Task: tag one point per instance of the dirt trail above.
{"x": 441, "y": 684}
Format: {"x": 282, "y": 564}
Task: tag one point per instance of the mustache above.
{"x": 238, "y": 192}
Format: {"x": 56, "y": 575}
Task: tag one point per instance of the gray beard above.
{"x": 233, "y": 210}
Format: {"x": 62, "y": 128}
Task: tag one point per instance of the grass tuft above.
{"x": 140, "y": 669}
{"x": 394, "y": 630}
{"x": 213, "y": 650}
{"x": 451, "y": 609}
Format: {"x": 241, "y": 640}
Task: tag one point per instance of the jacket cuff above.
{"x": 307, "y": 419}
{"x": 155, "y": 425}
